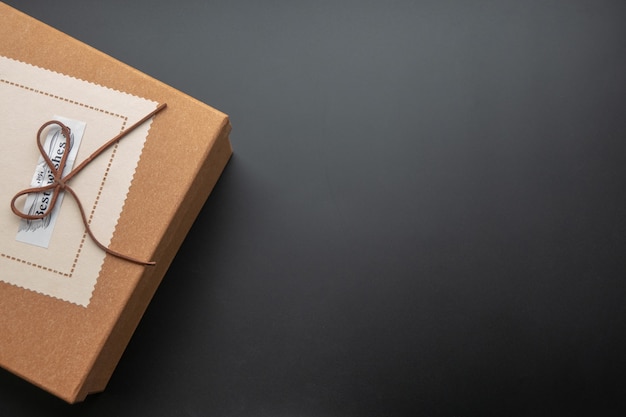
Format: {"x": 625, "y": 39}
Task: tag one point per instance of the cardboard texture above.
{"x": 71, "y": 350}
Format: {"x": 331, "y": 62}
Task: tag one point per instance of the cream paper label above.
{"x": 30, "y": 96}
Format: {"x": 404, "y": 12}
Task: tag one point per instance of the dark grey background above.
{"x": 425, "y": 213}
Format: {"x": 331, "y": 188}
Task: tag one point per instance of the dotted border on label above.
{"x": 104, "y": 178}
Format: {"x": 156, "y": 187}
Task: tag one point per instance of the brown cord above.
{"x": 59, "y": 182}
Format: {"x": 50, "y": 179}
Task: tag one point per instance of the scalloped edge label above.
{"x": 69, "y": 268}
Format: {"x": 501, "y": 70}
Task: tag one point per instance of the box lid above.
{"x": 68, "y": 349}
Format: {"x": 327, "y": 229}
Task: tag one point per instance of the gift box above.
{"x": 67, "y": 307}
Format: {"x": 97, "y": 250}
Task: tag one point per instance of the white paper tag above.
{"x": 39, "y": 232}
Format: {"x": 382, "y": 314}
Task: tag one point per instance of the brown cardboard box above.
{"x": 70, "y": 350}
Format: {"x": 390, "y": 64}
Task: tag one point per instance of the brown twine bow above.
{"x": 59, "y": 182}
